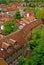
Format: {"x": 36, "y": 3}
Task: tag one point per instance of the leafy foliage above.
{"x": 21, "y": 61}
{"x": 27, "y": 8}
{"x": 38, "y": 54}
{"x": 38, "y": 34}
{"x": 26, "y": 1}
{"x": 9, "y": 27}
{"x": 17, "y": 15}
{"x": 36, "y": 0}
{"x": 37, "y": 43}
{"x": 3, "y": 1}
{"x": 39, "y": 12}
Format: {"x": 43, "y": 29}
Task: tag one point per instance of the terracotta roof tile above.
{"x": 31, "y": 12}
{"x": 15, "y": 36}
{"x": 27, "y": 20}
{"x": 5, "y": 45}
{"x": 19, "y": 36}
{"x": 27, "y": 28}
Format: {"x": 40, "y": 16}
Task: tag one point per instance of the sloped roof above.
{"x": 28, "y": 19}
{"x": 19, "y": 37}
{"x": 15, "y": 36}
{"x": 28, "y": 27}
{"x": 29, "y": 12}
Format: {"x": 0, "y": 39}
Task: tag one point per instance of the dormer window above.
{"x": 15, "y": 45}
{"x": 9, "y": 50}
{"x": 5, "y": 45}
{"x": 13, "y": 42}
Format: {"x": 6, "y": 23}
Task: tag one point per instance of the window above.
{"x": 9, "y": 49}
{"x": 13, "y": 56}
{"x": 13, "y": 42}
{"x": 10, "y": 58}
{"x": 7, "y": 60}
{"x": 15, "y": 45}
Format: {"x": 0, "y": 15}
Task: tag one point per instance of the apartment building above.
{"x": 12, "y": 47}
{"x": 28, "y": 29}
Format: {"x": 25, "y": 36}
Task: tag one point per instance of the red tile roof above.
{"x": 27, "y": 28}
{"x": 30, "y": 12}
{"x": 18, "y": 22}
{"x": 15, "y": 36}
{"x": 28, "y": 19}
{"x": 3, "y": 6}
{"x": 24, "y": 20}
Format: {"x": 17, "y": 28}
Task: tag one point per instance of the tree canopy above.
{"x": 37, "y": 57}
{"x": 37, "y": 43}
{"x": 17, "y": 15}
{"x": 9, "y": 27}
{"x": 21, "y": 61}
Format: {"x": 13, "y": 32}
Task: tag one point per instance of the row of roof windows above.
{"x": 14, "y": 55}
{"x": 7, "y": 46}
{"x": 9, "y": 43}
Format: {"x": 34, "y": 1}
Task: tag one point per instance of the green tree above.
{"x": 36, "y": 36}
{"x": 27, "y": 8}
{"x": 6, "y": 1}
{"x": 37, "y": 57}
{"x": 21, "y": 61}
{"x": 18, "y": 0}
{"x": 26, "y": 1}
{"x": 3, "y": 2}
{"x": 9, "y": 27}
{"x": 17, "y": 15}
